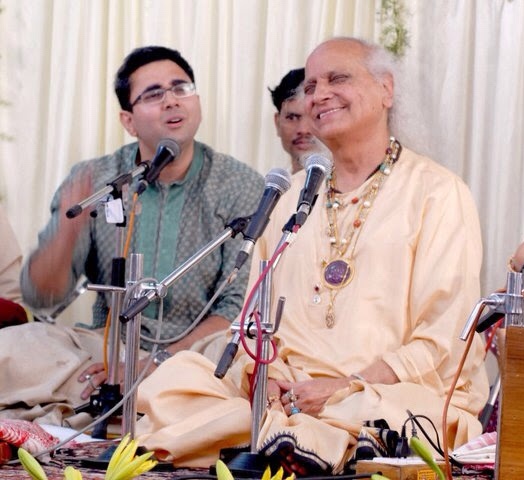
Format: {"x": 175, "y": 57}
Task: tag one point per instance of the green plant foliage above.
{"x": 394, "y": 33}
{"x": 422, "y": 451}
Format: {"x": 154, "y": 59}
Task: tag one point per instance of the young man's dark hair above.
{"x": 287, "y": 87}
{"x": 138, "y": 58}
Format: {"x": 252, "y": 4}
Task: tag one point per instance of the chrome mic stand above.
{"x": 109, "y": 394}
{"x": 131, "y": 353}
{"x": 143, "y": 297}
{"x": 252, "y": 463}
{"x": 232, "y": 347}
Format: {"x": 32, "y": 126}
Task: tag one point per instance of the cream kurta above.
{"x": 416, "y": 280}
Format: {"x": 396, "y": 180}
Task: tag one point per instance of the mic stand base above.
{"x": 100, "y": 462}
{"x": 107, "y": 398}
{"x": 99, "y": 404}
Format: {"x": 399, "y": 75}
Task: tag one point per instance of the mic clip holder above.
{"x": 250, "y": 329}
{"x": 112, "y": 191}
{"x": 510, "y": 304}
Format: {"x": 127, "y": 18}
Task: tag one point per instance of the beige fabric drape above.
{"x": 58, "y": 58}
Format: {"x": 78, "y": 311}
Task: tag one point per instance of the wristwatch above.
{"x": 161, "y": 356}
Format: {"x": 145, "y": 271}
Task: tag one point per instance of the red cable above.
{"x": 256, "y": 356}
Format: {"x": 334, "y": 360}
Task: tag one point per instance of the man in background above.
{"x": 290, "y": 121}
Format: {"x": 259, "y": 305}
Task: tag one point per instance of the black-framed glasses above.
{"x": 157, "y": 95}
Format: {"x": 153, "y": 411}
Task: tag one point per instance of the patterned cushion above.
{"x": 11, "y": 313}
{"x": 30, "y": 436}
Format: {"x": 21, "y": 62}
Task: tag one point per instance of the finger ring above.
{"x": 291, "y": 396}
{"x": 294, "y": 409}
{"x": 87, "y": 376}
{"x": 90, "y": 381}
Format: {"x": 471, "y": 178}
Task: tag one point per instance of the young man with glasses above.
{"x": 188, "y": 206}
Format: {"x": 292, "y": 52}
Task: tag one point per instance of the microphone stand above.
{"x": 252, "y": 464}
{"x": 247, "y": 464}
{"x": 132, "y": 315}
{"x": 131, "y": 353}
{"x": 232, "y": 347}
{"x": 109, "y": 394}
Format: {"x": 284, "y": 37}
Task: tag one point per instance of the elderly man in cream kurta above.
{"x": 378, "y": 285}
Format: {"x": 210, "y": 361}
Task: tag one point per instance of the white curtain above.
{"x": 465, "y": 62}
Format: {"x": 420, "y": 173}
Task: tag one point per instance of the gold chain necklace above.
{"x": 340, "y": 269}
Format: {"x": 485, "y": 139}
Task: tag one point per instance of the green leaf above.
{"x": 223, "y": 472}
{"x": 421, "y": 450}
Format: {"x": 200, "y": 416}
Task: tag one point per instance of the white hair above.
{"x": 405, "y": 118}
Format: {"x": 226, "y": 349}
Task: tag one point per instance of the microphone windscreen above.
{"x": 278, "y": 178}
{"x": 320, "y": 161}
{"x": 171, "y": 145}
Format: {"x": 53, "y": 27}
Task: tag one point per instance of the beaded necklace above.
{"x": 339, "y": 270}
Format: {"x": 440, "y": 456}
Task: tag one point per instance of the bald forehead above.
{"x": 333, "y": 55}
{"x": 342, "y": 46}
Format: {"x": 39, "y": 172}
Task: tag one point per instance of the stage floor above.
{"x": 84, "y": 456}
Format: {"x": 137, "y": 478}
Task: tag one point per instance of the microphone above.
{"x": 278, "y": 181}
{"x": 317, "y": 167}
{"x": 166, "y": 151}
{"x": 488, "y": 319}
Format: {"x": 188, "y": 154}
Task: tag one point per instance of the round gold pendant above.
{"x": 338, "y": 273}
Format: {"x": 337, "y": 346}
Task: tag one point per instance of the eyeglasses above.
{"x": 157, "y": 95}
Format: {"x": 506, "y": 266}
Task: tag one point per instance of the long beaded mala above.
{"x": 339, "y": 270}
